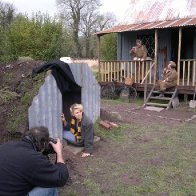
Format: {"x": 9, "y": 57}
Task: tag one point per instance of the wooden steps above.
{"x": 154, "y": 98}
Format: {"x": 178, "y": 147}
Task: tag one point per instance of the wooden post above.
{"x": 98, "y": 55}
{"x": 179, "y": 56}
{"x": 145, "y": 90}
{"x": 156, "y": 55}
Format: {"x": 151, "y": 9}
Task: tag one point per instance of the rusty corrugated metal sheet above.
{"x": 144, "y": 11}
{"x": 145, "y": 14}
{"x": 151, "y": 25}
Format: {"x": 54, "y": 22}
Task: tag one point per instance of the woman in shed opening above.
{"x": 79, "y": 131}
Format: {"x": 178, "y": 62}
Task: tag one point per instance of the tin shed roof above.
{"x": 154, "y": 14}
{"x": 143, "y": 11}
{"x": 151, "y": 25}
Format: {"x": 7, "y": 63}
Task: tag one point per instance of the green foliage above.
{"x": 5, "y": 49}
{"x": 109, "y": 47}
{"x": 40, "y": 37}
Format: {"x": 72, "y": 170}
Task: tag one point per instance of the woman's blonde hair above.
{"x": 76, "y": 106}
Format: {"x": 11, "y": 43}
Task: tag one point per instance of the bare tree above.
{"x": 92, "y": 21}
{"x": 84, "y": 19}
{"x": 73, "y": 9}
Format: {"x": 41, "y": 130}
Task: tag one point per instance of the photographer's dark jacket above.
{"x": 22, "y": 168}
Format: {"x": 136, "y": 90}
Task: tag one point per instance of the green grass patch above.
{"x": 7, "y": 77}
{"x": 115, "y": 134}
{"x": 6, "y": 95}
{"x": 152, "y": 159}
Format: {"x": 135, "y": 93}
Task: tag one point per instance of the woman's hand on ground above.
{"x": 84, "y": 154}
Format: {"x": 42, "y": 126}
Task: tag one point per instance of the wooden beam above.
{"x": 98, "y": 55}
{"x": 179, "y": 54}
{"x": 156, "y": 55}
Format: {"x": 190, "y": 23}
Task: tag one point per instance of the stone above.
{"x": 152, "y": 108}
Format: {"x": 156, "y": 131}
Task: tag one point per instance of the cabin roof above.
{"x": 144, "y": 11}
{"x": 150, "y": 25}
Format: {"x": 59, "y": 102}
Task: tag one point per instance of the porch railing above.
{"x": 187, "y": 72}
{"x": 123, "y": 69}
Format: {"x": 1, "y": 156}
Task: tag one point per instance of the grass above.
{"x": 146, "y": 160}
{"x": 138, "y": 101}
{"x": 6, "y": 95}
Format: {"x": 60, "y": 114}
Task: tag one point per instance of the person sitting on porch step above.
{"x": 79, "y": 131}
{"x": 170, "y": 78}
{"x": 139, "y": 51}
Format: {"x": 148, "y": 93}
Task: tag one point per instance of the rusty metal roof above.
{"x": 144, "y": 11}
{"x": 151, "y": 25}
{"x": 155, "y": 14}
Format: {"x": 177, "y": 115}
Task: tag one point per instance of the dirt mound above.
{"x": 17, "y": 88}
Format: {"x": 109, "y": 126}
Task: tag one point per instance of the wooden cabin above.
{"x": 173, "y": 38}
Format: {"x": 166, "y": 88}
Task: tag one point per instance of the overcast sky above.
{"x": 118, "y": 7}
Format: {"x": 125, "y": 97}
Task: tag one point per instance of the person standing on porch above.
{"x": 170, "y": 78}
{"x": 139, "y": 51}
{"x": 139, "y": 54}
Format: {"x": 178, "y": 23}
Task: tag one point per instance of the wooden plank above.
{"x": 139, "y": 71}
{"x": 194, "y": 73}
{"x": 157, "y": 104}
{"x": 147, "y": 73}
{"x": 125, "y": 70}
{"x": 150, "y": 78}
{"x": 188, "y": 74}
{"x": 114, "y": 68}
{"x": 156, "y": 54}
{"x": 118, "y": 70}
{"x": 108, "y": 69}
{"x": 179, "y": 51}
{"x": 183, "y": 73}
{"x": 161, "y": 98}
{"x": 135, "y": 72}
{"x": 98, "y": 54}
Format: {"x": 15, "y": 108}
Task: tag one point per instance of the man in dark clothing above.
{"x": 25, "y": 170}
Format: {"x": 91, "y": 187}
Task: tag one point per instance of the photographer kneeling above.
{"x": 25, "y": 170}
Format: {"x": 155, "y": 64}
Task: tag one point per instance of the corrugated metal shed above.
{"x": 90, "y": 89}
{"x": 151, "y": 25}
{"x": 46, "y": 108}
{"x": 47, "y": 105}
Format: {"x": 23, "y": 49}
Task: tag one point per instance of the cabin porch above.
{"x": 147, "y": 72}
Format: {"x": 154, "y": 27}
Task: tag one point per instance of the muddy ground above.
{"x": 115, "y": 163}
{"x": 117, "y": 154}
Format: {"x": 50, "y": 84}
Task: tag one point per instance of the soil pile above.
{"x": 17, "y": 88}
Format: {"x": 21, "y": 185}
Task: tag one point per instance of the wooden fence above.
{"x": 138, "y": 69}
{"x": 187, "y": 72}
{"x": 123, "y": 69}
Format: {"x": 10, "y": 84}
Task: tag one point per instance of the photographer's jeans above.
{"x": 39, "y": 191}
